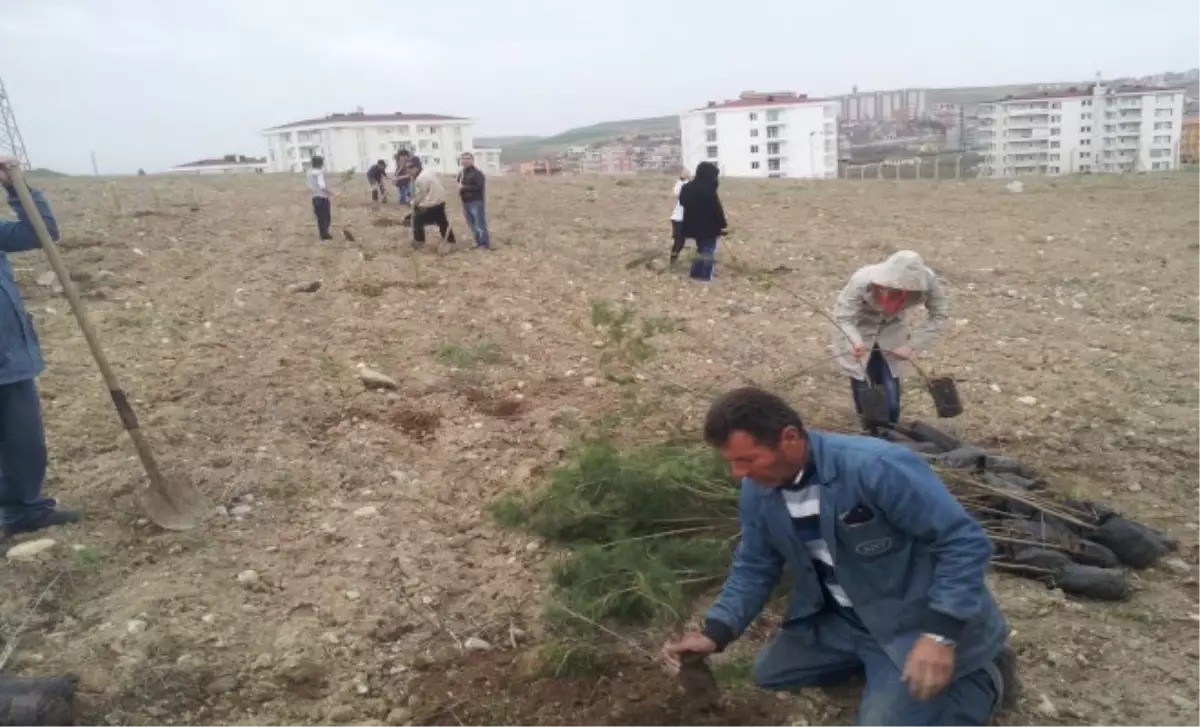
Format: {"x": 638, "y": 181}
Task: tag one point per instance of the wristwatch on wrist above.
{"x": 941, "y": 640}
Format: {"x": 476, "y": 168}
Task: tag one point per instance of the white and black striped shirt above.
{"x": 803, "y": 499}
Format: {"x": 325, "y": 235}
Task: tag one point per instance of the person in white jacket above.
{"x": 677, "y": 238}
{"x": 429, "y": 203}
{"x": 873, "y": 335}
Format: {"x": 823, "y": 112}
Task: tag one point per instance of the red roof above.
{"x": 359, "y": 117}
{"x": 1076, "y": 91}
{"x": 755, "y": 98}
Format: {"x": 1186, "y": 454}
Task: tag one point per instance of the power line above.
{"x": 11, "y": 143}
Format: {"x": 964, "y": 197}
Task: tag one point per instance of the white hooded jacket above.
{"x": 860, "y": 319}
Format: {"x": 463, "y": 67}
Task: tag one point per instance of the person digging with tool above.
{"x": 23, "y": 507}
{"x": 888, "y": 571}
{"x": 872, "y": 335}
{"x": 429, "y": 203}
{"x": 375, "y": 178}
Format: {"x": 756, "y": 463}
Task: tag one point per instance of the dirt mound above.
{"x": 498, "y": 688}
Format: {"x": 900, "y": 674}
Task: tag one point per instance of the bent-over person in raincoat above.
{"x": 871, "y": 312}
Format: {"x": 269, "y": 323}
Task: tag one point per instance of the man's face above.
{"x": 765, "y": 464}
{"x": 468, "y": 161}
{"x": 890, "y": 300}
{"x": 412, "y": 168}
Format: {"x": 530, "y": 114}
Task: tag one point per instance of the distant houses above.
{"x": 228, "y": 164}
{"x": 357, "y": 140}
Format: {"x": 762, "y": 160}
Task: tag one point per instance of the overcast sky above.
{"x": 152, "y": 83}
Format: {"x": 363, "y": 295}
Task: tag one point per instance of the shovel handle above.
{"x": 120, "y": 401}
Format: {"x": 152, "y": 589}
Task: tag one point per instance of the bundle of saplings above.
{"x": 1077, "y": 545}
{"x": 646, "y": 528}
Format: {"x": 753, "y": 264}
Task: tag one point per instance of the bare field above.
{"x": 363, "y": 514}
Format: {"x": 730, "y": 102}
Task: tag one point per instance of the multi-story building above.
{"x": 357, "y": 140}
{"x": 228, "y": 164}
{"x": 764, "y": 135}
{"x": 1097, "y": 128}
{"x": 900, "y": 105}
{"x": 1189, "y": 144}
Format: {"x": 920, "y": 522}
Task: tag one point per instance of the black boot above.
{"x": 59, "y": 515}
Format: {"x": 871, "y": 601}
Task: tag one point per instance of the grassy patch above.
{"x": 469, "y": 354}
{"x": 628, "y": 337}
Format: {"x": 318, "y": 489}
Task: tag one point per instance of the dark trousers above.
{"x": 843, "y": 648}
{"x": 879, "y": 375}
{"x": 677, "y": 239}
{"x": 476, "y": 212}
{"x": 705, "y": 263}
{"x": 22, "y": 454}
{"x": 321, "y": 209}
{"x": 435, "y": 215}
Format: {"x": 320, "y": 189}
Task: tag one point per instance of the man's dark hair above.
{"x": 404, "y": 153}
{"x": 759, "y": 413}
{"x": 318, "y": 161}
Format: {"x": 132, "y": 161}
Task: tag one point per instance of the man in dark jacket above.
{"x": 23, "y": 508}
{"x": 703, "y": 217}
{"x": 470, "y": 189}
{"x": 375, "y": 177}
{"x": 888, "y": 570}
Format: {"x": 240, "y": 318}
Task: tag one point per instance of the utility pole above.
{"x": 11, "y": 143}
{"x": 95, "y": 167}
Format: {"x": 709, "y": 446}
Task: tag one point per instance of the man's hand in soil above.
{"x": 694, "y": 642}
{"x": 905, "y": 353}
{"x": 929, "y": 667}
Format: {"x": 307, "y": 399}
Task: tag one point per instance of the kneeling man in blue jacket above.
{"x": 888, "y": 566}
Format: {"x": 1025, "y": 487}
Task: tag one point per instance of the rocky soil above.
{"x": 347, "y": 570}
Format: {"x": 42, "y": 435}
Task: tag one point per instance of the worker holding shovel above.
{"x": 23, "y": 507}
{"x": 872, "y": 335}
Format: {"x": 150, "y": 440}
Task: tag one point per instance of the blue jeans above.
{"x": 843, "y": 649}
{"x": 879, "y": 375}
{"x": 404, "y": 191}
{"x": 22, "y": 454}
{"x": 705, "y": 262}
{"x": 477, "y": 221}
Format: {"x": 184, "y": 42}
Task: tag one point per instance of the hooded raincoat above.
{"x": 861, "y": 320}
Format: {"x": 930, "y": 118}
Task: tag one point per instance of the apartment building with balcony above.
{"x": 357, "y": 140}
{"x": 780, "y": 134}
{"x": 1095, "y": 129}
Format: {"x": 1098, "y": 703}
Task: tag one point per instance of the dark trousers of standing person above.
{"x": 706, "y": 261}
{"x": 22, "y": 457}
{"x": 879, "y": 375}
{"x": 435, "y": 215}
{"x": 677, "y": 239}
{"x": 476, "y": 212}
{"x": 321, "y": 209}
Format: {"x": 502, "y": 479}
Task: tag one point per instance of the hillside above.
{"x": 526, "y": 148}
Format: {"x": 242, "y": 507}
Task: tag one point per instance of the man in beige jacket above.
{"x": 429, "y": 203}
{"x": 873, "y": 335}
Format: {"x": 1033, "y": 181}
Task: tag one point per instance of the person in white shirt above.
{"x": 321, "y": 196}
{"x": 677, "y": 238}
{"x": 429, "y": 203}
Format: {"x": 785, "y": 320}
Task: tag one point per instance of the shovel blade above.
{"x": 175, "y": 506}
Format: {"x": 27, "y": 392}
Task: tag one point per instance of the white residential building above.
{"x": 228, "y": 164}
{"x": 1091, "y": 129}
{"x": 357, "y": 140}
{"x": 764, "y": 135}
